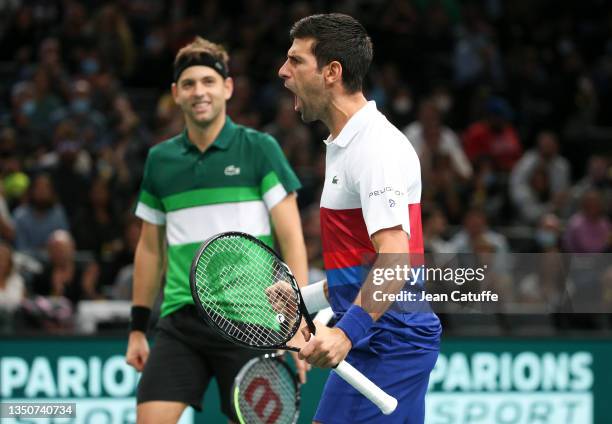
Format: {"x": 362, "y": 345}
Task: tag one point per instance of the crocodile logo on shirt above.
{"x": 335, "y": 179}
{"x": 231, "y": 170}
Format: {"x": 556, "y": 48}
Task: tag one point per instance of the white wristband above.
{"x": 314, "y": 296}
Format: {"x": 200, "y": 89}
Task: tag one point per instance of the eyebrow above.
{"x": 204, "y": 78}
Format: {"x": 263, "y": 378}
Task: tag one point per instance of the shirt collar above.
{"x": 223, "y": 140}
{"x": 353, "y": 126}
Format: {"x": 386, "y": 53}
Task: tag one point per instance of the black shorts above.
{"x": 186, "y": 354}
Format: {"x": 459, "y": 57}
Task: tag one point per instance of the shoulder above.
{"x": 383, "y": 141}
{"x": 16, "y": 280}
{"x": 255, "y": 139}
{"x": 260, "y": 146}
{"x": 497, "y": 239}
{"x": 450, "y": 138}
{"x": 529, "y": 160}
{"x": 413, "y": 130}
{"x": 166, "y": 147}
{"x": 561, "y": 163}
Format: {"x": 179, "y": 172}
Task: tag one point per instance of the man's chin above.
{"x": 202, "y": 120}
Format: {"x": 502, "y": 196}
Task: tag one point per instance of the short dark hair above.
{"x": 338, "y": 37}
{"x": 194, "y": 51}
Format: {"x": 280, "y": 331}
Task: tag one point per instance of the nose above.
{"x": 199, "y": 89}
{"x": 282, "y": 72}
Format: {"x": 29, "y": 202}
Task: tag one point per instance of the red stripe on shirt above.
{"x": 346, "y": 242}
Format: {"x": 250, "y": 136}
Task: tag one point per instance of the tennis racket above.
{"x": 267, "y": 390}
{"x": 248, "y": 295}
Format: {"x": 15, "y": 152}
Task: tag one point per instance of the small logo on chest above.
{"x": 335, "y": 179}
{"x": 231, "y": 170}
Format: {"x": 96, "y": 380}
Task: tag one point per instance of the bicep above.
{"x": 390, "y": 240}
{"x": 386, "y": 188}
{"x": 286, "y": 217}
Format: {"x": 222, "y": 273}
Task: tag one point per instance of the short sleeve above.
{"x": 277, "y": 176}
{"x": 149, "y": 207}
{"x": 388, "y": 183}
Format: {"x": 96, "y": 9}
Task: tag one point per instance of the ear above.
{"x": 333, "y": 72}
{"x": 174, "y": 90}
{"x": 229, "y": 87}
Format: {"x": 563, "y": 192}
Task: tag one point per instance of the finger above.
{"x": 134, "y": 363}
{"x": 145, "y": 357}
{"x": 320, "y": 359}
{"x": 301, "y": 369}
{"x": 313, "y": 349}
{"x": 301, "y": 353}
{"x": 306, "y": 351}
{"x": 306, "y": 333}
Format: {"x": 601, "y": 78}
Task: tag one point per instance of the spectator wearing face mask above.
{"x": 90, "y": 124}
{"x": 548, "y": 234}
{"x": 548, "y": 282}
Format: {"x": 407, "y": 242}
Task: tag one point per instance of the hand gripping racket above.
{"x": 248, "y": 295}
{"x": 267, "y": 390}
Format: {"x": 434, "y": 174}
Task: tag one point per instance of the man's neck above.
{"x": 341, "y": 109}
{"x": 203, "y": 136}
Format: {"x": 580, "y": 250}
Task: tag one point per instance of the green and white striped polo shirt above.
{"x": 232, "y": 186}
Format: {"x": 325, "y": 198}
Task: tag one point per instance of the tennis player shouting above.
{"x": 370, "y": 203}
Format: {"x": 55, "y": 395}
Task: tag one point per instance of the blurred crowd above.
{"x": 508, "y": 105}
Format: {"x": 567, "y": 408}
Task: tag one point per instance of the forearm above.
{"x": 148, "y": 270}
{"x": 293, "y": 251}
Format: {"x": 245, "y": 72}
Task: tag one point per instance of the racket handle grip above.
{"x": 324, "y": 315}
{"x": 366, "y": 387}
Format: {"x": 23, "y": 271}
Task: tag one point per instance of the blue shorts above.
{"x": 399, "y": 368}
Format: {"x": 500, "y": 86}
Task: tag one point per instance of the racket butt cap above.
{"x": 389, "y": 406}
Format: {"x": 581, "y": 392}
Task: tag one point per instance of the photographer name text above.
{"x": 423, "y": 296}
